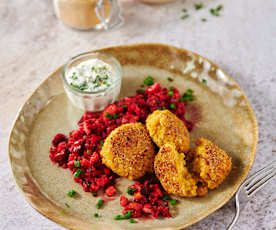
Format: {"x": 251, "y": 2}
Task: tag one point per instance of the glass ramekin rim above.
{"x": 76, "y": 90}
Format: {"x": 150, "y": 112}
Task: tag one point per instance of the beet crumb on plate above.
{"x": 147, "y": 200}
{"x": 80, "y": 152}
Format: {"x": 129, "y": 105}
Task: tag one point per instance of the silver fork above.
{"x": 250, "y": 186}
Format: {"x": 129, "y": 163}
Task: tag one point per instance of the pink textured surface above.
{"x": 241, "y": 41}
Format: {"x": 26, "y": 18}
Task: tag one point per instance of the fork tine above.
{"x": 260, "y": 184}
{"x": 249, "y": 179}
{"x": 258, "y": 177}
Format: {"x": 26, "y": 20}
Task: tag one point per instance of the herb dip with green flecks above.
{"x": 91, "y": 76}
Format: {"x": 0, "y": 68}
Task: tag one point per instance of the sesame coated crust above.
{"x": 210, "y": 163}
{"x": 129, "y": 151}
{"x": 165, "y": 127}
{"x": 170, "y": 168}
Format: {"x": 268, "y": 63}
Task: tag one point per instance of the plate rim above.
{"x": 136, "y": 45}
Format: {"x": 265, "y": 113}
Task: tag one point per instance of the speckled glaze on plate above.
{"x": 221, "y": 107}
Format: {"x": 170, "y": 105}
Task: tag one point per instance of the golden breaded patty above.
{"x": 129, "y": 151}
{"x": 170, "y": 168}
{"x": 165, "y": 127}
{"x": 210, "y": 163}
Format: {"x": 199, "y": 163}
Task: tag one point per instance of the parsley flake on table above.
{"x": 185, "y": 16}
{"x": 216, "y": 11}
{"x": 199, "y": 6}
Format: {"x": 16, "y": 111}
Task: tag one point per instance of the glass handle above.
{"x": 114, "y": 18}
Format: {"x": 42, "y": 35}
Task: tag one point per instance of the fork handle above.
{"x": 235, "y": 219}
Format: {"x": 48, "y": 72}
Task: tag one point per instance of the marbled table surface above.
{"x": 242, "y": 41}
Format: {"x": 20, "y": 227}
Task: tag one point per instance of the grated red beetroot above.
{"x": 81, "y": 151}
{"x": 148, "y": 200}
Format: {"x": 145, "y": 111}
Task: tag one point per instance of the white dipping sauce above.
{"x": 92, "y": 84}
{"x": 91, "y": 76}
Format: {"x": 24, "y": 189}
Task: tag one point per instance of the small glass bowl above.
{"x": 97, "y": 100}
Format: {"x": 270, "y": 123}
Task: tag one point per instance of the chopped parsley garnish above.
{"x": 103, "y": 68}
{"x": 148, "y": 81}
{"x": 99, "y": 204}
{"x": 203, "y": 19}
{"x": 185, "y": 16}
{"x": 115, "y": 116}
{"x": 170, "y": 93}
{"x": 77, "y": 164}
{"x": 170, "y": 79}
{"x": 67, "y": 205}
{"x": 140, "y": 91}
{"x": 199, "y": 6}
{"x": 108, "y": 115}
{"x": 94, "y": 193}
{"x": 80, "y": 87}
{"x": 171, "y": 88}
{"x": 78, "y": 173}
{"x": 71, "y": 193}
{"x": 173, "y": 202}
{"x": 119, "y": 217}
{"x": 88, "y": 152}
{"x": 204, "y": 81}
{"x": 172, "y": 106}
{"x": 131, "y": 191}
{"x": 128, "y": 214}
{"x": 163, "y": 108}
{"x": 142, "y": 86}
{"x": 132, "y": 221}
{"x": 96, "y": 215}
{"x": 187, "y": 96}
{"x": 101, "y": 144}
{"x": 184, "y": 10}
{"x": 165, "y": 198}
{"x": 124, "y": 106}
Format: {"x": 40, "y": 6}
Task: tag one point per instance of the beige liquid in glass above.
{"x": 79, "y": 14}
